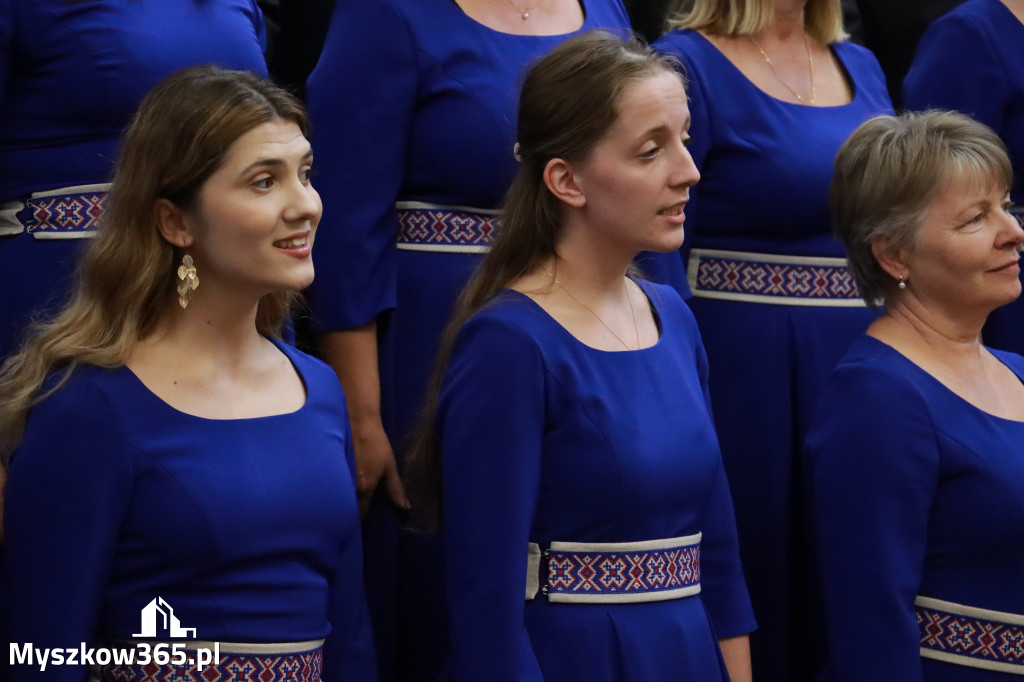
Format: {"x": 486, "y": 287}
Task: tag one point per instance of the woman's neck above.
{"x": 788, "y": 23}
{"x": 209, "y": 330}
{"x": 917, "y": 329}
{"x": 592, "y": 267}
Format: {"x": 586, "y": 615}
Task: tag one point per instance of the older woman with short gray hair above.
{"x": 916, "y": 456}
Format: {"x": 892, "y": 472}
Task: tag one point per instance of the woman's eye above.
{"x": 976, "y": 218}
{"x": 263, "y": 183}
{"x": 687, "y": 141}
{"x": 307, "y": 173}
{"x": 650, "y": 153}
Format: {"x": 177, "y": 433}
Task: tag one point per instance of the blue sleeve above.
{"x": 69, "y": 487}
{"x": 260, "y": 26}
{"x": 956, "y": 66}
{"x": 723, "y": 585}
{"x": 361, "y": 98}
{"x": 872, "y": 459}
{"x": 491, "y": 423}
{"x": 349, "y": 652}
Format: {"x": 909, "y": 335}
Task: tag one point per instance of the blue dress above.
{"x": 248, "y": 528}
{"x": 972, "y": 60}
{"x": 546, "y": 439}
{"x": 766, "y": 166}
{"x": 916, "y": 493}
{"x": 412, "y": 100}
{"x": 71, "y": 76}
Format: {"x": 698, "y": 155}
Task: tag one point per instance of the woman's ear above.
{"x": 891, "y": 259}
{"x": 173, "y": 223}
{"x": 561, "y": 181}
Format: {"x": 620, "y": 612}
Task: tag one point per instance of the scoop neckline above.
{"x": 947, "y": 389}
{"x": 153, "y": 397}
{"x": 658, "y": 321}
{"x": 583, "y": 26}
{"x": 772, "y": 98}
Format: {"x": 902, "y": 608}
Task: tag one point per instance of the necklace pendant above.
{"x": 526, "y": 15}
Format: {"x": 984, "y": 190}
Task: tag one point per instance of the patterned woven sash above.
{"x": 653, "y": 570}
{"x": 768, "y": 278}
{"x": 66, "y": 213}
{"x": 452, "y": 229}
{"x": 969, "y": 636}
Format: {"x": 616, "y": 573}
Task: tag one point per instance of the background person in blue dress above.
{"x": 916, "y": 455}
{"x": 414, "y": 105}
{"x": 163, "y": 445}
{"x": 72, "y": 72}
{"x": 972, "y": 60}
{"x": 570, "y": 405}
{"x": 774, "y": 91}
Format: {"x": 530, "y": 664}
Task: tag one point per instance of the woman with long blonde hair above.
{"x": 164, "y": 450}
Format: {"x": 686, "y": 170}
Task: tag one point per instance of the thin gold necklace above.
{"x": 524, "y": 13}
{"x": 629, "y": 300}
{"x": 810, "y": 62}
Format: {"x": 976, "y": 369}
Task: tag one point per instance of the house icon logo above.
{"x": 160, "y": 611}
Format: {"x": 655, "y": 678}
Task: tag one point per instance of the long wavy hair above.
{"x": 125, "y": 281}
{"x": 567, "y": 104}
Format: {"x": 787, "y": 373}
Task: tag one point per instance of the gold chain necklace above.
{"x": 810, "y": 62}
{"x": 524, "y": 13}
{"x": 629, "y": 300}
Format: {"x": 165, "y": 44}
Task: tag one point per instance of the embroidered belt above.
{"x": 768, "y": 278}
{"x": 66, "y": 213}
{"x": 615, "y": 572}
{"x": 452, "y": 229}
{"x": 239, "y": 662}
{"x": 969, "y": 636}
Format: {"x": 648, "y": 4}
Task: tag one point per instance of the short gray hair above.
{"x": 888, "y": 172}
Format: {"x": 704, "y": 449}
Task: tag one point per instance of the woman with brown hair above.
{"x": 774, "y": 90}
{"x": 165, "y": 450}
{"x": 586, "y": 519}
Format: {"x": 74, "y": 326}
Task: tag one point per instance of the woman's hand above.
{"x": 736, "y": 654}
{"x": 353, "y": 355}
{"x": 375, "y": 464}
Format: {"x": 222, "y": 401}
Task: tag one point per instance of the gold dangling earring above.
{"x": 189, "y": 280}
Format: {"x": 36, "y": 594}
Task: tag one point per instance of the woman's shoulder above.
{"x": 317, "y": 375}
{"x": 859, "y": 61}
{"x": 1012, "y": 360}
{"x": 976, "y": 13}
{"x": 872, "y": 374}
{"x": 82, "y": 386}
{"x": 89, "y": 402}
{"x": 509, "y": 312}
{"x": 686, "y": 44}
{"x": 506, "y": 334}
{"x": 669, "y": 306}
